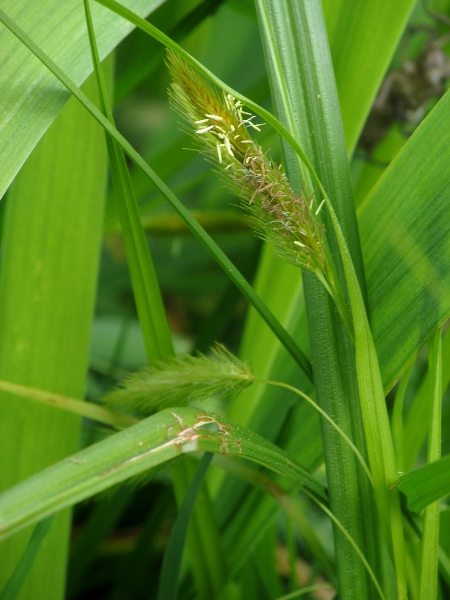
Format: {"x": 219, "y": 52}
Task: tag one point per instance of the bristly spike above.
{"x": 180, "y": 380}
{"x": 282, "y": 216}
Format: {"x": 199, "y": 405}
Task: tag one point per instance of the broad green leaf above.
{"x": 31, "y": 97}
{"x": 363, "y": 37}
{"x": 427, "y": 484}
{"x": 50, "y": 251}
{"x": 406, "y": 245}
{"x": 155, "y": 440}
{"x": 416, "y": 421}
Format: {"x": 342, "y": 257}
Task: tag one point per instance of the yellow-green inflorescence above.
{"x": 222, "y": 127}
{"x": 179, "y": 380}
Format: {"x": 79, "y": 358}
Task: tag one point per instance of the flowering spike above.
{"x": 282, "y": 216}
{"x": 180, "y": 380}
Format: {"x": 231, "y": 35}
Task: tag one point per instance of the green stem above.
{"x": 77, "y": 407}
{"x": 329, "y": 282}
{"x": 375, "y": 418}
{"x": 339, "y": 525}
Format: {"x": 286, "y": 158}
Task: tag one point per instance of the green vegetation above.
{"x": 212, "y": 370}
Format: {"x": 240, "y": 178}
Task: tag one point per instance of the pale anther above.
{"x": 228, "y": 146}
{"x": 205, "y": 129}
{"x": 319, "y": 207}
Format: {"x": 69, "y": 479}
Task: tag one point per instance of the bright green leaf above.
{"x": 427, "y": 484}
{"x": 155, "y": 440}
{"x": 31, "y": 97}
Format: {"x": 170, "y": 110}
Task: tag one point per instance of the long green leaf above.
{"x": 375, "y": 419}
{"x": 151, "y": 313}
{"x": 13, "y": 587}
{"x": 78, "y": 407}
{"x": 50, "y": 252}
{"x": 152, "y": 317}
{"x": 427, "y": 484}
{"x": 363, "y": 37}
{"x": 31, "y": 98}
{"x": 406, "y": 245}
{"x": 155, "y": 440}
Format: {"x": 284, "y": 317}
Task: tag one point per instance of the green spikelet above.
{"x": 180, "y": 380}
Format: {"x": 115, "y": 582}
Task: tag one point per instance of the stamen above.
{"x": 228, "y": 146}
{"x": 205, "y": 129}
{"x": 319, "y": 207}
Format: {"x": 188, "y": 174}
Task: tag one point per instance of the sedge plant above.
{"x": 281, "y": 453}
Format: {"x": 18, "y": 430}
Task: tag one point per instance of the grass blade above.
{"x": 77, "y": 407}
{"x": 430, "y": 537}
{"x": 147, "y": 295}
{"x": 50, "y": 252}
{"x": 13, "y": 587}
{"x": 306, "y": 100}
{"x": 151, "y": 442}
{"x": 172, "y": 558}
{"x": 31, "y": 99}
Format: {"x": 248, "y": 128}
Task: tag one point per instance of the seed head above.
{"x": 222, "y": 128}
{"x": 180, "y": 380}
